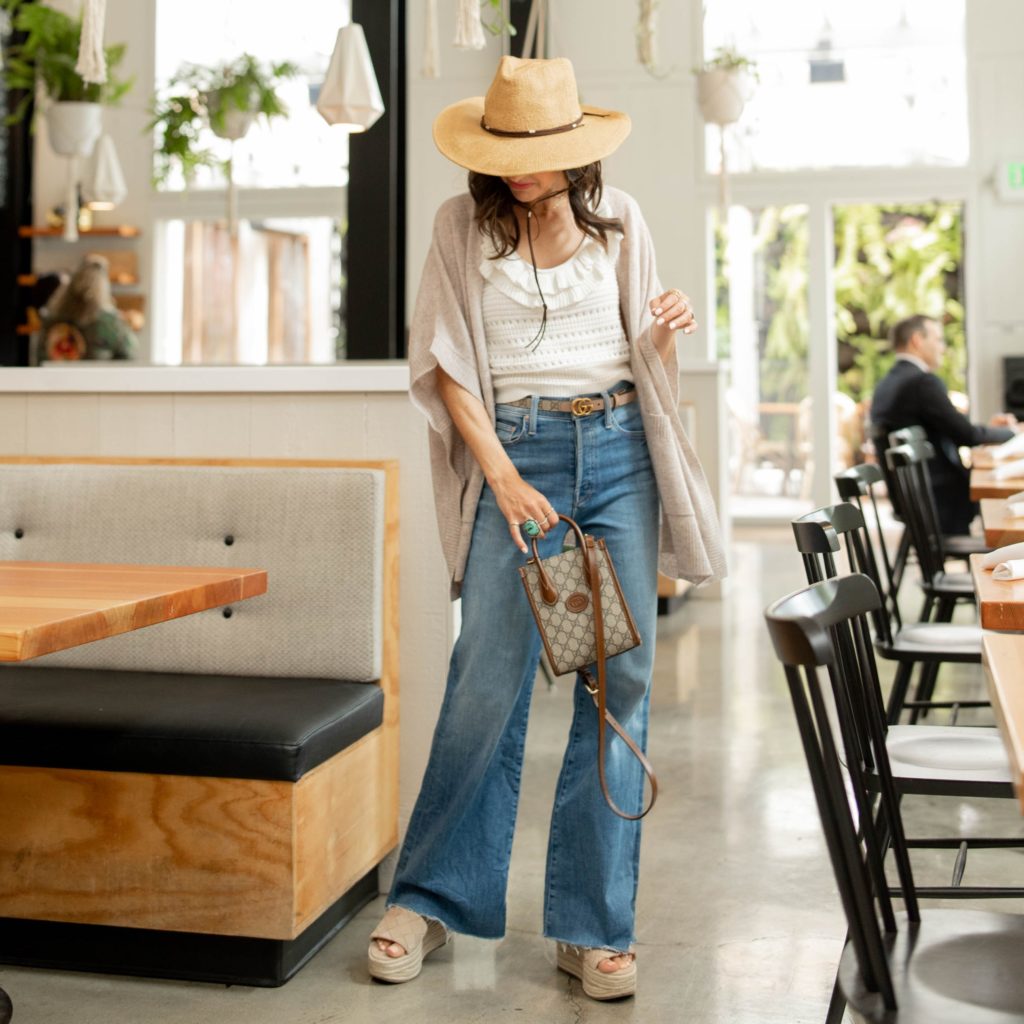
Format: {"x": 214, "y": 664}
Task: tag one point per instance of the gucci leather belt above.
{"x": 582, "y": 406}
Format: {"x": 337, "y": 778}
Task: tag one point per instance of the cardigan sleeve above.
{"x": 439, "y": 334}
{"x": 645, "y": 285}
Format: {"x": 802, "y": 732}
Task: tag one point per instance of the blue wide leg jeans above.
{"x": 455, "y": 857}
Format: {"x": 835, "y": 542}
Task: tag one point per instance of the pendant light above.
{"x": 106, "y": 188}
{"x": 350, "y": 96}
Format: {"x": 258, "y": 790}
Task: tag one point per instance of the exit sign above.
{"x": 1010, "y": 179}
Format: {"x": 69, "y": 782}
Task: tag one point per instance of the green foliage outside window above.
{"x": 892, "y": 261}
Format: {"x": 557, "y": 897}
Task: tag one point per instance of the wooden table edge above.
{"x": 36, "y": 641}
{"x": 1014, "y": 743}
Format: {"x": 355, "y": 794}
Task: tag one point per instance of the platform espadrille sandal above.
{"x": 417, "y": 935}
{"x": 598, "y": 984}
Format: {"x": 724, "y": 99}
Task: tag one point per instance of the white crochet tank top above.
{"x": 584, "y": 348}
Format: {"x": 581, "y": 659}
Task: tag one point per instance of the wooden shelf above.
{"x": 119, "y": 231}
{"x": 122, "y": 281}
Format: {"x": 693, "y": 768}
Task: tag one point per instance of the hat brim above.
{"x": 459, "y": 136}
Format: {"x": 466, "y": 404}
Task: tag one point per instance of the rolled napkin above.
{"x": 1008, "y": 470}
{"x": 1011, "y": 570}
{"x": 1014, "y": 448}
{"x": 1007, "y": 553}
{"x": 1015, "y": 504}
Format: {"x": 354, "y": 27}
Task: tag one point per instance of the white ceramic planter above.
{"x": 236, "y": 123}
{"x": 722, "y": 94}
{"x": 74, "y": 127}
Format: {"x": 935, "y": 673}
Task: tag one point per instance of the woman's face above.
{"x": 528, "y": 187}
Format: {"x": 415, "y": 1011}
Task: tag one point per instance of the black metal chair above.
{"x": 943, "y": 590}
{"x": 928, "y": 644}
{"x": 933, "y": 965}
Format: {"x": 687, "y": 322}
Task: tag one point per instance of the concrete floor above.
{"x": 738, "y": 918}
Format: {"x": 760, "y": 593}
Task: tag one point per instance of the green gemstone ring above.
{"x": 532, "y": 528}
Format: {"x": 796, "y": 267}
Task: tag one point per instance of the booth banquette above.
{"x": 208, "y": 798}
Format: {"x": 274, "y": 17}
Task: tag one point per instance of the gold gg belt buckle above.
{"x": 582, "y": 406}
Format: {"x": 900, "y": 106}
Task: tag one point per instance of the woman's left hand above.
{"x": 672, "y": 312}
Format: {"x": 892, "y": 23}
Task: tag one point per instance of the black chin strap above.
{"x": 539, "y": 336}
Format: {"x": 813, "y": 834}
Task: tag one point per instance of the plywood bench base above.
{"x": 242, "y": 857}
{"x": 223, "y": 959}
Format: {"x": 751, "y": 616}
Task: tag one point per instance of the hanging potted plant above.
{"x": 227, "y": 99}
{"x": 47, "y": 57}
{"x": 724, "y": 84}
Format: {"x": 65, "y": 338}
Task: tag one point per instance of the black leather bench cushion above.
{"x": 240, "y": 727}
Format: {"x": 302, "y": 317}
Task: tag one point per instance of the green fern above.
{"x": 199, "y": 96}
{"x": 48, "y": 55}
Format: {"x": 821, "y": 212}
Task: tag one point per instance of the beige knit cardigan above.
{"x": 447, "y": 330}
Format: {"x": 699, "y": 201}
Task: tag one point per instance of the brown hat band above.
{"x": 534, "y": 132}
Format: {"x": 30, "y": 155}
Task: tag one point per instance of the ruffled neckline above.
{"x": 564, "y": 284}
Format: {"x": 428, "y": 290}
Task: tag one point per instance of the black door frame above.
{"x": 374, "y": 260}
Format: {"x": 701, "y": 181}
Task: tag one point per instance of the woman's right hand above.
{"x": 518, "y": 502}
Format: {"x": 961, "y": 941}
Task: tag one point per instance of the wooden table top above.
{"x": 1003, "y": 657}
{"x": 1000, "y": 527}
{"x": 1000, "y": 602}
{"x": 985, "y": 485}
{"x": 981, "y": 457}
{"x": 50, "y": 606}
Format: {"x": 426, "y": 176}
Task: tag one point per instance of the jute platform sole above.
{"x": 597, "y": 984}
{"x": 418, "y": 936}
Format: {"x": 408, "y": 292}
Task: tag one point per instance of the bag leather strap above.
{"x": 598, "y": 689}
{"x": 600, "y": 697}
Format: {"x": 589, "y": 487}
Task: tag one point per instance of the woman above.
{"x": 542, "y": 353}
{"x": 81, "y": 320}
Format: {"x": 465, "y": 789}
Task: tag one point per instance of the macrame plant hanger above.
{"x": 469, "y": 30}
{"x": 92, "y": 66}
{"x": 535, "y": 41}
{"x": 431, "y": 67}
{"x": 92, "y": 62}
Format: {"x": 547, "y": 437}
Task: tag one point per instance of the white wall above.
{"x": 995, "y": 231}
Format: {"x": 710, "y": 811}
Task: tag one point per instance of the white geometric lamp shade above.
{"x": 107, "y": 188}
{"x": 350, "y": 96}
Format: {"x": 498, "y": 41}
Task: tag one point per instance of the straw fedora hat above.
{"x": 530, "y": 120}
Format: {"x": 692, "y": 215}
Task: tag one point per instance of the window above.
{"x": 295, "y": 151}
{"x": 274, "y": 291}
{"x": 762, "y": 330}
{"x": 871, "y": 83}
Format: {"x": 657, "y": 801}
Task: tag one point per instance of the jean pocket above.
{"x": 627, "y": 419}
{"x": 510, "y": 429}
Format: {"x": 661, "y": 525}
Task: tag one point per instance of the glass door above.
{"x": 762, "y": 330}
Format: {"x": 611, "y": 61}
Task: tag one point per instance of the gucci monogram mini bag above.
{"x": 583, "y": 620}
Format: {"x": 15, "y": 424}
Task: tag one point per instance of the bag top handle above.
{"x": 547, "y": 588}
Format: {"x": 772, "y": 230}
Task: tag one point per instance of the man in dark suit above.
{"x": 911, "y": 394}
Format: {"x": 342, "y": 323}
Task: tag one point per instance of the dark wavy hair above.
{"x": 495, "y": 207}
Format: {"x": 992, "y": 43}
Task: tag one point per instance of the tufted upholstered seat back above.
{"x": 318, "y": 531}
